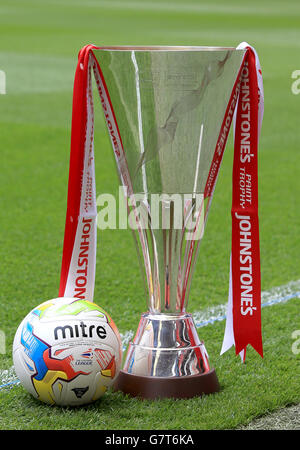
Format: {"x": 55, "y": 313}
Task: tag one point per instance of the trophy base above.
{"x": 167, "y": 359}
{"x": 167, "y": 387}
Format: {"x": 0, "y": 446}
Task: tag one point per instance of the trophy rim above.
{"x": 177, "y": 48}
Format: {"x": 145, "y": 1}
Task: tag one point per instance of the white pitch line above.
{"x": 279, "y": 294}
{"x": 217, "y": 313}
{"x": 126, "y": 338}
{"x": 8, "y": 378}
{"x": 208, "y": 316}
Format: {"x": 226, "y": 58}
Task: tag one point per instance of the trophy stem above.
{"x": 167, "y": 359}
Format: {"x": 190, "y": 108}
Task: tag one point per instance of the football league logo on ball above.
{"x": 67, "y": 352}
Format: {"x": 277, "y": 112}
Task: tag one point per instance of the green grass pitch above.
{"x": 39, "y": 42}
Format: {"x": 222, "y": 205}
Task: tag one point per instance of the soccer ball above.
{"x": 67, "y": 351}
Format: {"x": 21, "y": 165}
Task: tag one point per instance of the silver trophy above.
{"x": 169, "y": 104}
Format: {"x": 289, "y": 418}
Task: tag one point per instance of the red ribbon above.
{"x": 246, "y": 289}
{"x": 78, "y": 136}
